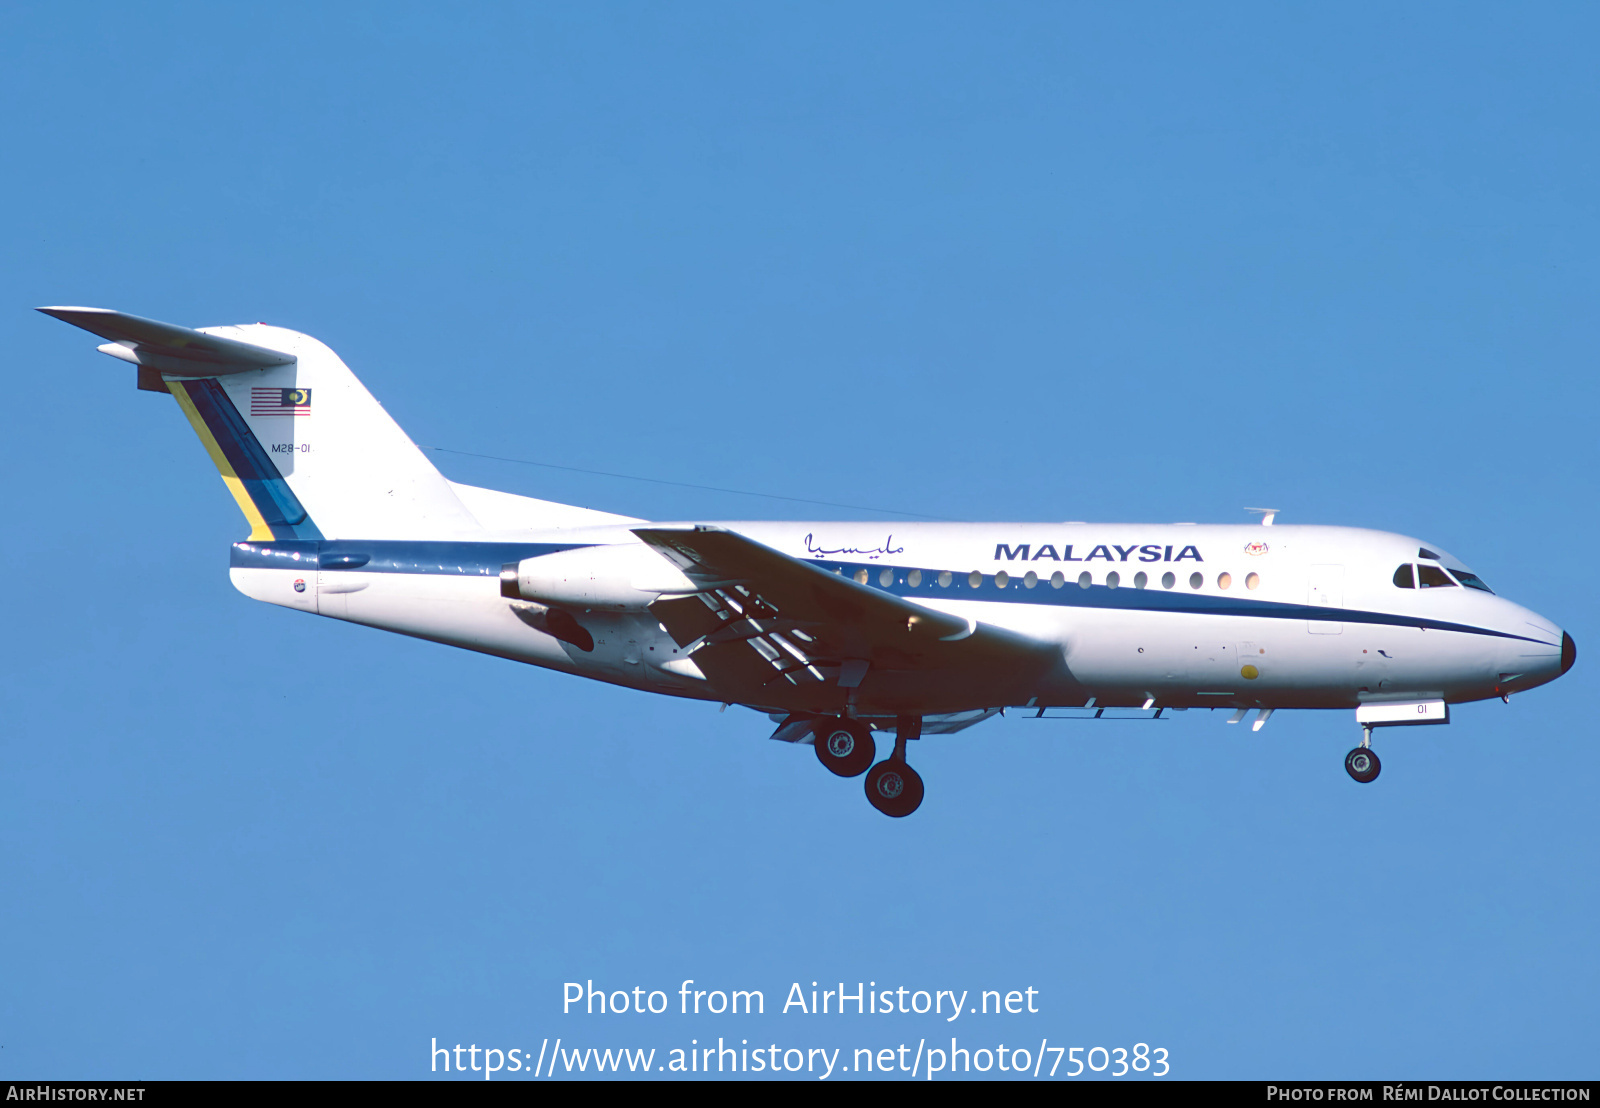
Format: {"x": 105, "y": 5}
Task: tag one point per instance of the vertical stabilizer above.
{"x": 349, "y": 464}
{"x": 301, "y": 444}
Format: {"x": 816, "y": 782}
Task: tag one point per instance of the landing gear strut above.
{"x": 1361, "y": 763}
{"x": 844, "y": 745}
{"x": 893, "y": 787}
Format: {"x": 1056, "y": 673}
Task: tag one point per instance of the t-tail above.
{"x": 304, "y": 448}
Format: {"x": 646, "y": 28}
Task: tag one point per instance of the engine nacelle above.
{"x": 616, "y": 578}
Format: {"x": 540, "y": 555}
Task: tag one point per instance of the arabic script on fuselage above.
{"x": 883, "y": 550}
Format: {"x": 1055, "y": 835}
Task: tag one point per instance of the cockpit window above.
{"x": 1471, "y": 580}
{"x": 1426, "y": 553}
{"x": 1432, "y": 577}
{"x": 1402, "y": 577}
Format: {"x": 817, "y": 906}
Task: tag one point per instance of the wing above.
{"x": 770, "y": 629}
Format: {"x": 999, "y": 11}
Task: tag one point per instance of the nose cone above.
{"x": 1521, "y": 669}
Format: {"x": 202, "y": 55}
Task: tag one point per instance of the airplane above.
{"x": 835, "y": 630}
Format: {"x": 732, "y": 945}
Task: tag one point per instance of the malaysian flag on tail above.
{"x": 285, "y": 402}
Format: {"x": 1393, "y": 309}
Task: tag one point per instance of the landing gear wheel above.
{"x": 1362, "y": 764}
{"x": 894, "y": 788}
{"x": 844, "y": 746}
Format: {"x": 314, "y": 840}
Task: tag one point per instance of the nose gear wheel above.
{"x": 1363, "y": 765}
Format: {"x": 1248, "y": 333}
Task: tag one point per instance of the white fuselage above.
{"x": 1177, "y": 615}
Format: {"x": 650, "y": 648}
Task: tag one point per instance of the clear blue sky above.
{"x": 980, "y": 261}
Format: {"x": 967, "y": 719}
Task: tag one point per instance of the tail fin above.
{"x": 303, "y": 447}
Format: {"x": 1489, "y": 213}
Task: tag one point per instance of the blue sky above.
{"x": 978, "y": 261}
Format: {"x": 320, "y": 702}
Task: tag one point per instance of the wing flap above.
{"x": 686, "y": 618}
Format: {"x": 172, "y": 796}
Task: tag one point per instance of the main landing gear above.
{"x": 894, "y": 788}
{"x": 1362, "y": 762}
{"x": 845, "y": 746}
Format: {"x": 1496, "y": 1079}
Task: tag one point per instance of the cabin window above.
{"x": 1002, "y": 579}
{"x": 1141, "y": 579}
{"x": 1030, "y": 579}
{"x": 1168, "y": 580}
{"x": 1057, "y": 579}
{"x": 1402, "y": 577}
{"x": 1196, "y": 580}
{"x": 1471, "y": 580}
{"x": 886, "y": 577}
{"x": 1253, "y": 581}
{"x": 1432, "y": 577}
{"x": 975, "y": 579}
{"x": 861, "y": 577}
{"x": 914, "y": 578}
{"x": 945, "y": 577}
{"x": 1113, "y": 579}
{"x": 1084, "y": 580}
{"x": 1224, "y": 580}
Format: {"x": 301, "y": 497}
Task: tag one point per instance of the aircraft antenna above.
{"x": 1267, "y": 515}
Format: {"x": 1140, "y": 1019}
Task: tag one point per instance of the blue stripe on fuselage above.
{"x": 451, "y": 558}
{"x": 1129, "y": 599}
{"x": 485, "y": 559}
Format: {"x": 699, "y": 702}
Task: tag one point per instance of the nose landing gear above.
{"x": 1362, "y": 763}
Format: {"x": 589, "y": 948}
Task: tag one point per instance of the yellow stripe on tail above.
{"x": 259, "y": 531}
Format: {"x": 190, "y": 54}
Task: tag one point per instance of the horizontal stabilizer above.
{"x": 168, "y": 348}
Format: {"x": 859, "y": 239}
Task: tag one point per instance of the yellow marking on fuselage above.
{"x": 259, "y": 531}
